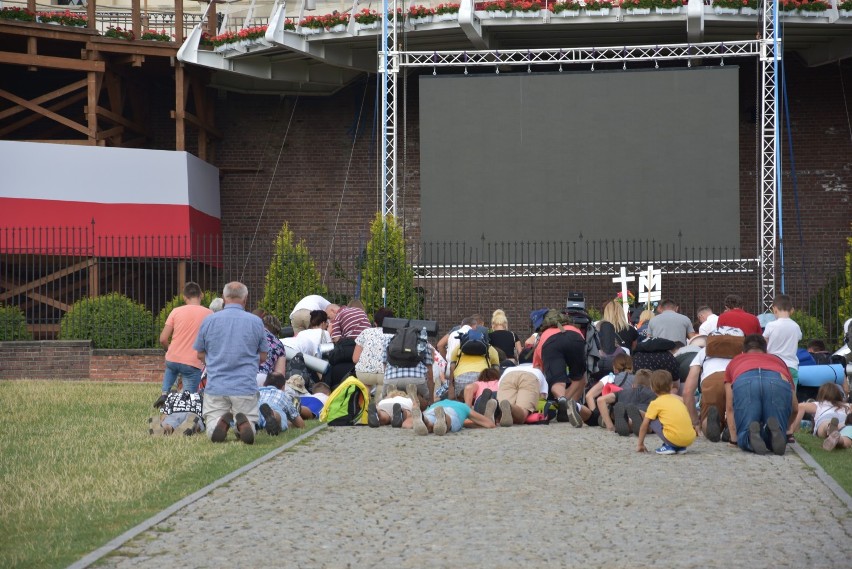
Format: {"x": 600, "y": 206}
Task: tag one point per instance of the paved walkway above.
{"x": 530, "y": 496}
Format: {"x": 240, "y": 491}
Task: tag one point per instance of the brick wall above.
{"x": 44, "y": 360}
{"x": 327, "y": 189}
{"x": 127, "y": 365}
{"x": 77, "y": 360}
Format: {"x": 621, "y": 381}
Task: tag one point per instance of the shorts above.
{"x": 455, "y": 422}
{"x": 713, "y": 395}
{"x": 463, "y": 381}
{"x": 563, "y": 352}
{"x": 520, "y": 388}
{"x": 401, "y": 383}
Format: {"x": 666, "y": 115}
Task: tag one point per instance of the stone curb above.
{"x": 114, "y": 544}
{"x": 822, "y": 474}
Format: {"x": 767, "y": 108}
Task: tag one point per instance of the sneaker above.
{"x": 272, "y": 425}
{"x": 481, "y": 401}
{"x": 680, "y": 450}
{"x": 160, "y": 400}
{"x": 713, "y": 432}
{"x": 417, "y": 417}
{"x": 372, "y": 415}
{"x": 155, "y": 427}
{"x": 726, "y": 435}
{"x": 756, "y": 441}
{"x": 440, "y": 427}
{"x": 831, "y": 441}
{"x": 297, "y": 404}
{"x": 778, "y": 438}
{"x": 666, "y": 449}
{"x": 635, "y": 417}
{"x": 221, "y": 429}
{"x": 619, "y": 415}
{"x": 244, "y": 428}
{"x": 549, "y": 411}
{"x": 505, "y": 413}
{"x": 189, "y": 426}
{"x": 562, "y": 410}
{"x": 574, "y": 415}
{"x": 490, "y": 408}
{"x": 833, "y": 425}
{"x": 396, "y": 420}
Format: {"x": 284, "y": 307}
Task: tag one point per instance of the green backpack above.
{"x": 347, "y": 404}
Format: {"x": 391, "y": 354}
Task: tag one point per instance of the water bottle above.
{"x": 421, "y": 345}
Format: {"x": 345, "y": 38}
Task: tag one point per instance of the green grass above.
{"x": 77, "y": 467}
{"x": 837, "y": 463}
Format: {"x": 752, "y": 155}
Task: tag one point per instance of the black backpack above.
{"x": 297, "y": 366}
{"x": 474, "y": 343}
{"x": 403, "y": 348}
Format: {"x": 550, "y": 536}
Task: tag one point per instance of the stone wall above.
{"x": 77, "y": 360}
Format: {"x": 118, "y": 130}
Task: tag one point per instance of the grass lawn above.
{"x": 78, "y": 467}
{"x": 837, "y": 463}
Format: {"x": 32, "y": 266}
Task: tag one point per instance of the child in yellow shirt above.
{"x": 668, "y": 417}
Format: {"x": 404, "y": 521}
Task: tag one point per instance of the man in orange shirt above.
{"x": 178, "y": 334}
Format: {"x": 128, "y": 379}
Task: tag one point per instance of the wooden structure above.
{"x": 93, "y": 90}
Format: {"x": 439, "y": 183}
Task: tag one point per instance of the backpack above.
{"x": 474, "y": 343}
{"x": 403, "y": 348}
{"x": 347, "y": 404}
{"x": 297, "y": 366}
{"x": 581, "y": 319}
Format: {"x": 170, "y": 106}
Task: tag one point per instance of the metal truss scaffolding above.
{"x": 767, "y": 48}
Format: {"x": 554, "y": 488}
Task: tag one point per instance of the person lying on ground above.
{"x": 278, "y": 410}
{"x": 449, "y": 416}
{"x": 393, "y": 410}
{"x": 519, "y": 391}
{"x": 179, "y": 413}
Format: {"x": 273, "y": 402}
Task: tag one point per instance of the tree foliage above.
{"x": 292, "y": 275}
{"x": 111, "y": 321}
{"x": 844, "y": 305}
{"x": 812, "y": 328}
{"x": 13, "y": 324}
{"x": 386, "y": 267}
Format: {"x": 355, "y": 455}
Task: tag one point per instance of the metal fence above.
{"x": 44, "y": 271}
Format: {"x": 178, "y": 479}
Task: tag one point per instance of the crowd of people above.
{"x": 729, "y": 378}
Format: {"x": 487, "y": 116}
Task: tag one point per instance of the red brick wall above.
{"x": 76, "y": 360}
{"x": 327, "y": 189}
{"x": 44, "y": 360}
{"x": 127, "y": 365}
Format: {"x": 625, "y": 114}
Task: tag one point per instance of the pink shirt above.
{"x": 483, "y": 385}
{"x": 185, "y": 322}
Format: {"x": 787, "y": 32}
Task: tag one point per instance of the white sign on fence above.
{"x": 650, "y": 285}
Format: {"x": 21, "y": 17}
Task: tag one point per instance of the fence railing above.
{"x": 44, "y": 271}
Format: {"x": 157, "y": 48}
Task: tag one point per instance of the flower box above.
{"x": 449, "y": 17}
{"x": 370, "y": 26}
{"x": 822, "y": 14}
{"x": 310, "y": 31}
{"x": 675, "y": 10}
{"x": 336, "y": 29}
{"x": 566, "y": 14}
{"x": 601, "y": 12}
{"x": 846, "y": 13}
{"x": 420, "y": 20}
{"x": 530, "y": 14}
{"x": 748, "y": 11}
{"x": 638, "y": 11}
{"x": 501, "y": 14}
{"x": 725, "y": 11}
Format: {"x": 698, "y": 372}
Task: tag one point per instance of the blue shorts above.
{"x": 455, "y": 422}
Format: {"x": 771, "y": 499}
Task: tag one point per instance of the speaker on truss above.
{"x": 391, "y": 325}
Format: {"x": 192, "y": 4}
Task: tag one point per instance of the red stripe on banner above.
{"x": 120, "y": 230}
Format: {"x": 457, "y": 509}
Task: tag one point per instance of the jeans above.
{"x": 759, "y": 395}
{"x": 191, "y": 376}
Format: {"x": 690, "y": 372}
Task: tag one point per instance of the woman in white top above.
{"x": 308, "y": 341}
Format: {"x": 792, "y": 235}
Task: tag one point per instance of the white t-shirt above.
{"x": 708, "y": 365}
{"x": 308, "y": 341}
{"x": 782, "y": 339}
{"x": 312, "y": 302}
{"x": 453, "y": 340}
{"x": 387, "y": 404}
{"x": 708, "y": 325}
{"x": 542, "y": 381}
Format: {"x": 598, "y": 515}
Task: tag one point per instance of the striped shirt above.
{"x": 349, "y": 323}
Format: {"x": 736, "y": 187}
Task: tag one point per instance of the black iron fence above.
{"x": 44, "y": 271}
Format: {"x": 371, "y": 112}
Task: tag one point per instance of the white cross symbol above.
{"x": 623, "y": 280}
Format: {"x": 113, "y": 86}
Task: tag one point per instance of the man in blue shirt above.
{"x": 232, "y": 344}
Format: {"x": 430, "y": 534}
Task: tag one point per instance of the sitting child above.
{"x": 449, "y": 415}
{"x": 668, "y": 417}
{"x": 392, "y": 410}
{"x": 179, "y": 412}
{"x": 634, "y": 398}
{"x": 278, "y": 408}
{"x": 620, "y": 378}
